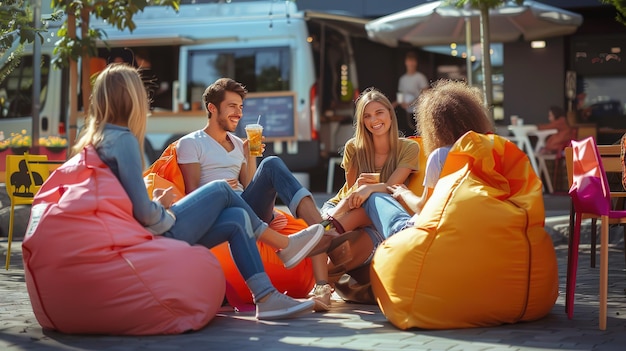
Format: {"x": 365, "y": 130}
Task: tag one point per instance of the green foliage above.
{"x": 620, "y": 5}
{"x": 477, "y": 4}
{"x": 16, "y": 30}
{"x": 119, "y": 13}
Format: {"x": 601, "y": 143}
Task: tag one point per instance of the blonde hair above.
{"x": 363, "y": 139}
{"x": 118, "y": 97}
{"x": 448, "y": 111}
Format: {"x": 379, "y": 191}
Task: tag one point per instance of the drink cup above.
{"x": 255, "y": 134}
{"x": 375, "y": 177}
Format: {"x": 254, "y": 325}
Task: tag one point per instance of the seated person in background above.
{"x": 215, "y": 153}
{"x": 558, "y": 121}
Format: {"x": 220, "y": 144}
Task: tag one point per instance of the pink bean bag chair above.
{"x": 91, "y": 268}
{"x": 478, "y": 255}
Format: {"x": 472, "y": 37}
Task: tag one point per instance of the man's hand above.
{"x": 246, "y": 147}
{"x": 165, "y": 197}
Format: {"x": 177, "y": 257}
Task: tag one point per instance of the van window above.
{"x": 16, "y": 90}
{"x": 258, "y": 69}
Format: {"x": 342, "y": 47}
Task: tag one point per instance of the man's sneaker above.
{"x": 321, "y": 297}
{"x": 280, "y": 306}
{"x": 300, "y": 244}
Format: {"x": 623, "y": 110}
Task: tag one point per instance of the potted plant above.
{"x": 55, "y": 144}
{"x": 20, "y": 142}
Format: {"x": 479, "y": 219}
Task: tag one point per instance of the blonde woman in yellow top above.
{"x": 375, "y": 158}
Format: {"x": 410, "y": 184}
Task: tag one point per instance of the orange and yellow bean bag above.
{"x": 91, "y": 268}
{"x": 478, "y": 255}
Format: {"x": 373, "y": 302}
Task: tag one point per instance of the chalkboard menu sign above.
{"x": 277, "y": 111}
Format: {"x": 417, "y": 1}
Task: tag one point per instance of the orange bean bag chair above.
{"x": 478, "y": 255}
{"x": 91, "y": 268}
{"x": 296, "y": 282}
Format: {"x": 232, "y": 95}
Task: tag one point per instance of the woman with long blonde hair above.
{"x": 375, "y": 148}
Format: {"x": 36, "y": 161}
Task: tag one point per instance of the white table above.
{"x": 522, "y": 134}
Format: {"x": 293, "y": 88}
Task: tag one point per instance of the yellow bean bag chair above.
{"x": 478, "y": 255}
{"x": 91, "y": 268}
{"x": 416, "y": 179}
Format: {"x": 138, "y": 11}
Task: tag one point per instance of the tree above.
{"x": 485, "y": 42}
{"x": 16, "y": 22}
{"x": 620, "y": 5}
{"x": 71, "y": 47}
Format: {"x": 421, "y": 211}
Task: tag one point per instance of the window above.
{"x": 258, "y": 69}
{"x": 16, "y": 90}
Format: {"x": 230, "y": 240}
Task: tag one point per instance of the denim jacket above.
{"x": 119, "y": 150}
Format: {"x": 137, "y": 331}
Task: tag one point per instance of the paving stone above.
{"x": 354, "y": 326}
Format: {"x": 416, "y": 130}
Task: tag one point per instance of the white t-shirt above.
{"x": 411, "y": 85}
{"x": 432, "y": 171}
{"x": 215, "y": 162}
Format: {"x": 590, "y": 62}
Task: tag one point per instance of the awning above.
{"x": 344, "y": 22}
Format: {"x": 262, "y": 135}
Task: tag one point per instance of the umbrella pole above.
{"x": 468, "y": 45}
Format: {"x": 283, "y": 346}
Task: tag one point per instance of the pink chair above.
{"x": 591, "y": 198}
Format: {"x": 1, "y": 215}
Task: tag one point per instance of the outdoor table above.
{"x": 522, "y": 133}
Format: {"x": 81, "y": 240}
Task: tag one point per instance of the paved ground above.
{"x": 352, "y": 326}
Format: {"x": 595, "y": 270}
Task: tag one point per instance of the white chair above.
{"x": 330, "y": 180}
{"x": 343, "y": 133}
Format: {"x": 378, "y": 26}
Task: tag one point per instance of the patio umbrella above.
{"x": 436, "y": 23}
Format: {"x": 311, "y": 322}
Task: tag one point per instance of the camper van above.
{"x": 296, "y": 65}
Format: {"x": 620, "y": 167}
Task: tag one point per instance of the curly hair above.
{"x": 449, "y": 110}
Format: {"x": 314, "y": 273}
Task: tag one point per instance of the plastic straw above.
{"x": 258, "y": 121}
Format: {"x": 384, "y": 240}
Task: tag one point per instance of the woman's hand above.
{"x": 165, "y": 197}
{"x": 358, "y": 197}
{"x": 368, "y": 178}
{"x": 405, "y": 197}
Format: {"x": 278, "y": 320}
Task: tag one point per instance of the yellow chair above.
{"x": 24, "y": 176}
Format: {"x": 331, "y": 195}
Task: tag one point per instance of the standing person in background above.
{"x": 558, "y": 141}
{"x": 213, "y": 214}
{"x": 410, "y": 86}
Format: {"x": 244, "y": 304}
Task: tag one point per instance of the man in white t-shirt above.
{"x": 410, "y": 86}
{"x": 216, "y": 153}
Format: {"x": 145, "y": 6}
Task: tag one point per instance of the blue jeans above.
{"x": 272, "y": 177}
{"x": 386, "y": 213}
{"x": 214, "y": 214}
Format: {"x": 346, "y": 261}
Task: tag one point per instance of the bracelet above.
{"x": 330, "y": 220}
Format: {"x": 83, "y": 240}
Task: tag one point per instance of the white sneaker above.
{"x": 280, "y": 306}
{"x": 300, "y": 244}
